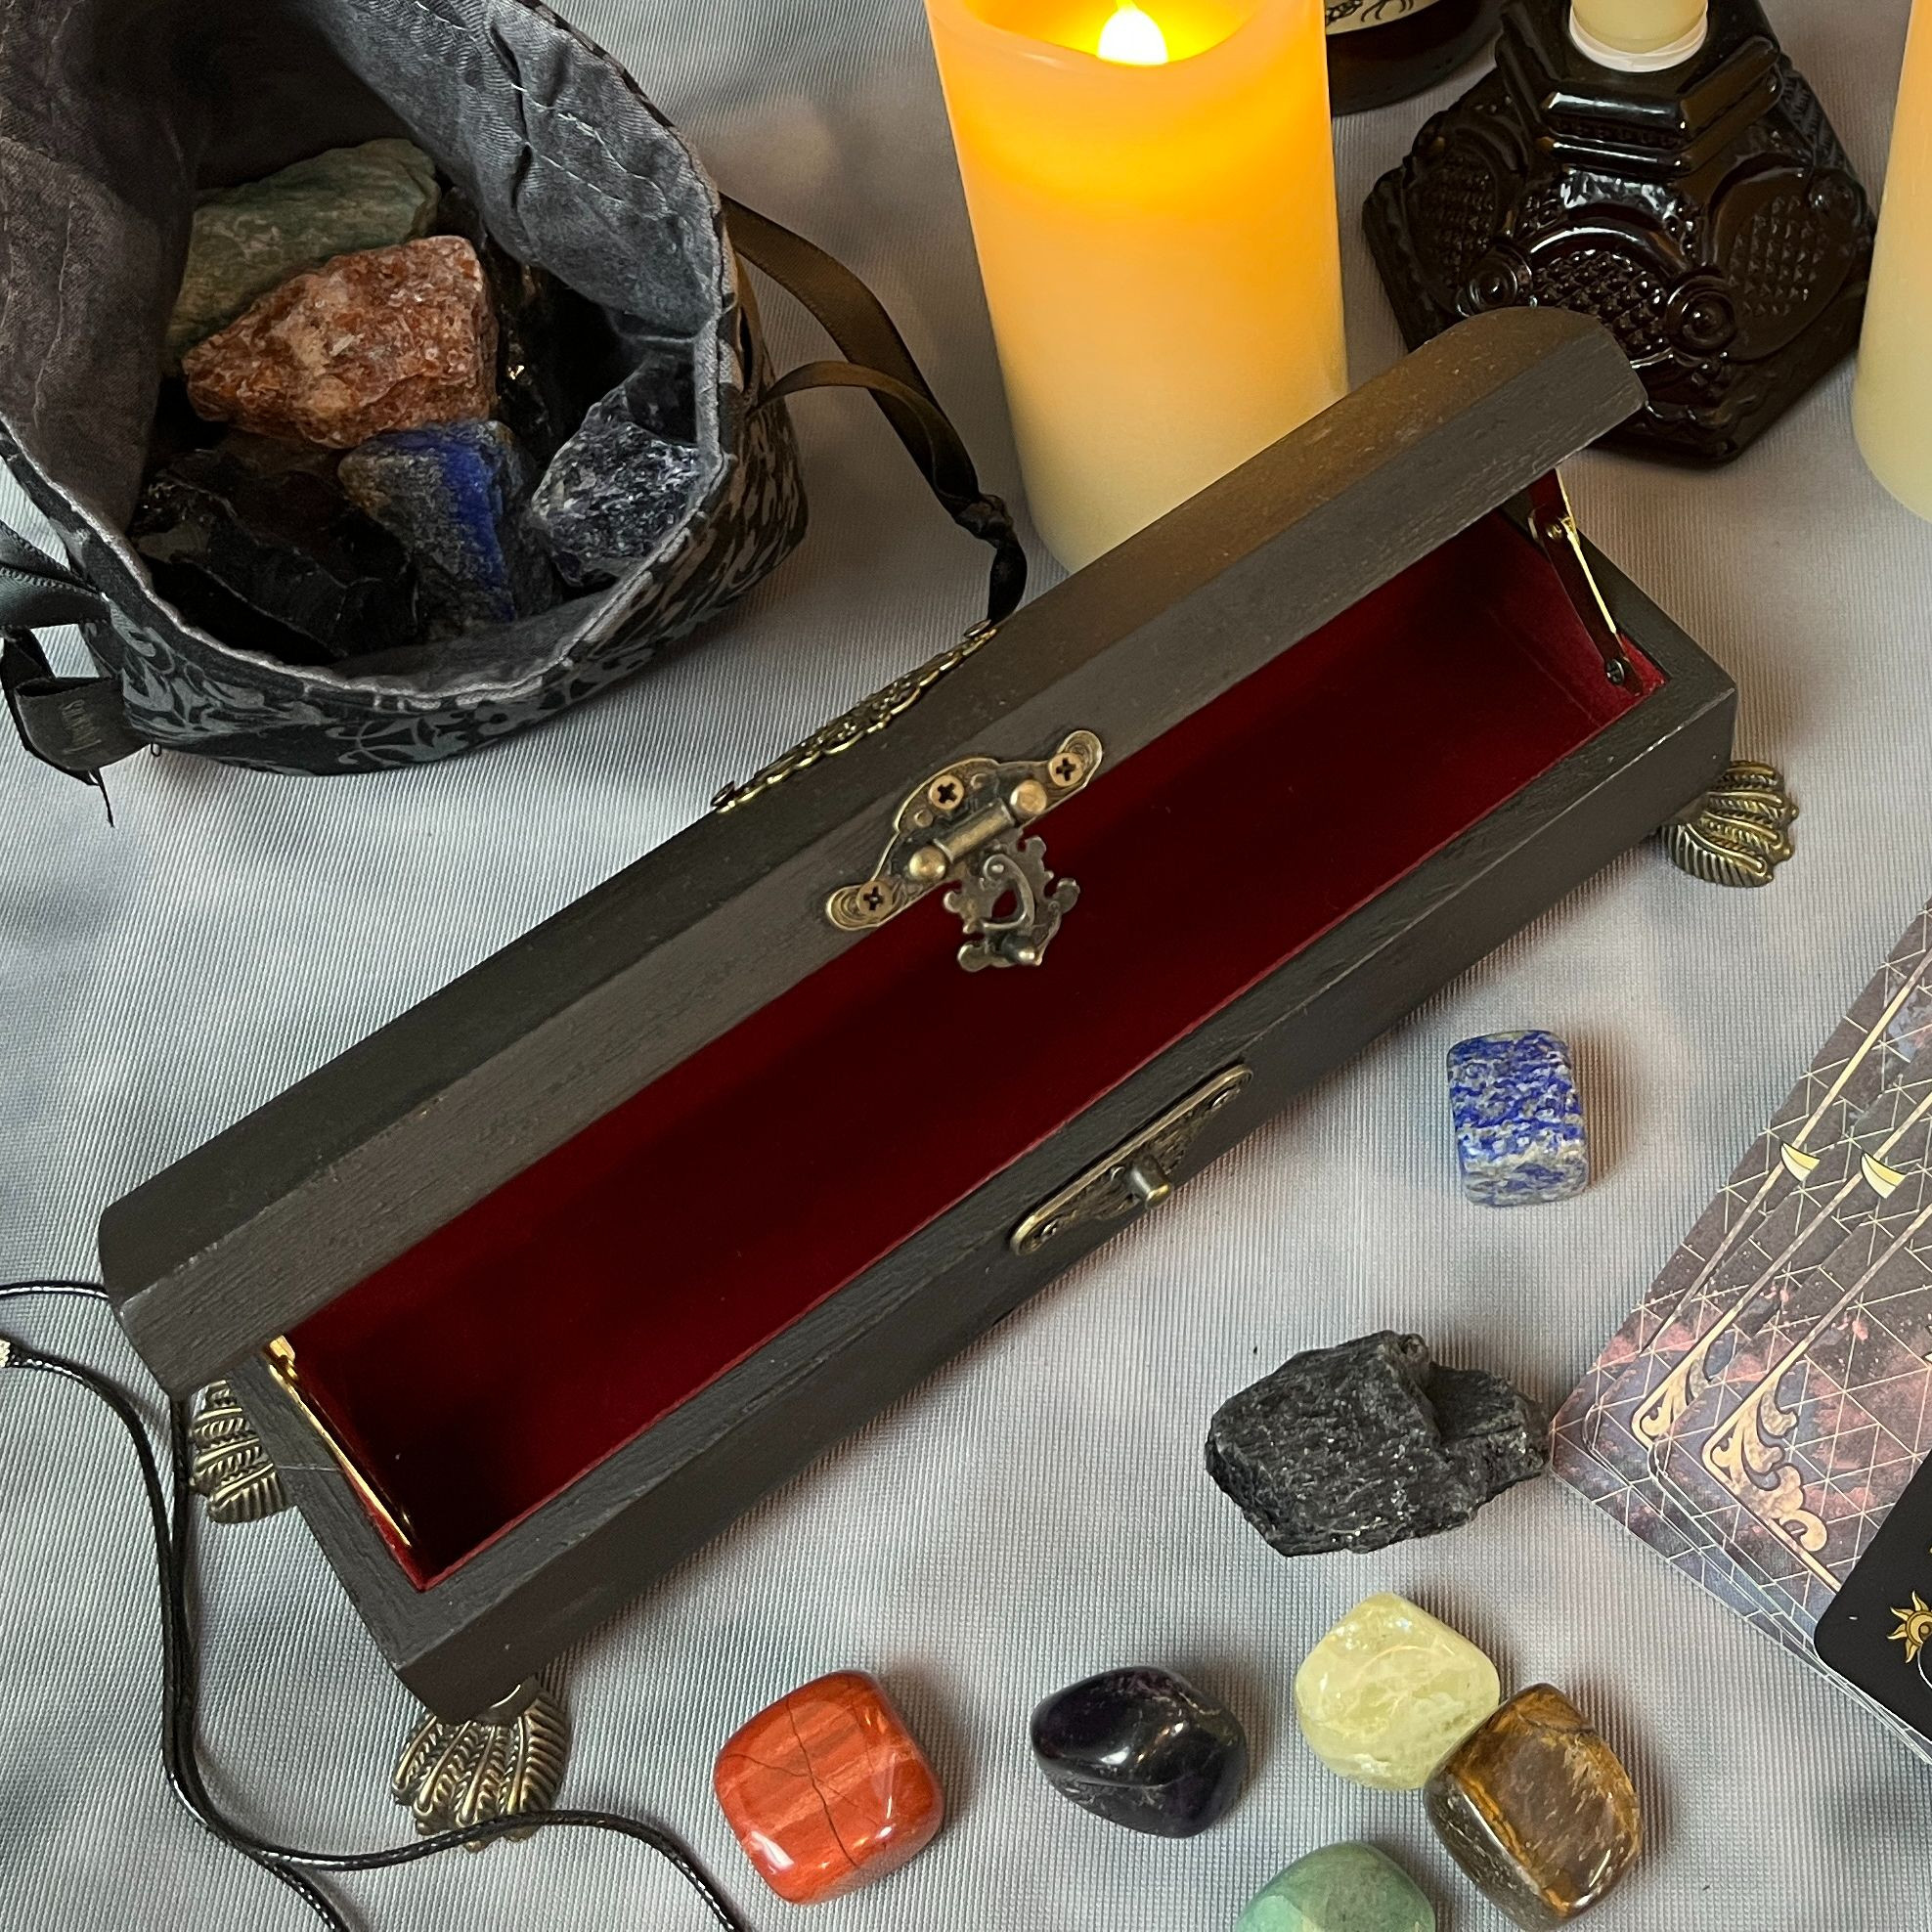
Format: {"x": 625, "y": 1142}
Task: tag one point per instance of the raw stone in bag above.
{"x": 120, "y": 113}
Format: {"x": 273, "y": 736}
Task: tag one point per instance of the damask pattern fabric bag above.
{"x": 118, "y": 112}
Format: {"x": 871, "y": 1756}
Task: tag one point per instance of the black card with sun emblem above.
{"x": 1878, "y": 1633}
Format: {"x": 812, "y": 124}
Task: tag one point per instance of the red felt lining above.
{"x": 495, "y": 1362}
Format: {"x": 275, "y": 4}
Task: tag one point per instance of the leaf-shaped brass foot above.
{"x": 1739, "y": 833}
{"x": 508, "y": 1763}
{"x": 230, "y": 1472}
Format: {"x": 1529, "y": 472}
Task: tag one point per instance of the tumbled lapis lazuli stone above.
{"x": 1518, "y": 1120}
{"x": 453, "y": 495}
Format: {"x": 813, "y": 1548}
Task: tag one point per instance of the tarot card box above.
{"x": 533, "y": 1292}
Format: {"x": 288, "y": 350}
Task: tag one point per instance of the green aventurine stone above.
{"x": 1341, "y": 1888}
{"x": 252, "y": 238}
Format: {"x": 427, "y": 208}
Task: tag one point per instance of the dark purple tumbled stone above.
{"x": 1142, "y": 1748}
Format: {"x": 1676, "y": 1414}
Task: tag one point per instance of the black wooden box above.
{"x": 535, "y": 1289}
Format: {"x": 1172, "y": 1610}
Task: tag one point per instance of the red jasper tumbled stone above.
{"x": 827, "y": 1789}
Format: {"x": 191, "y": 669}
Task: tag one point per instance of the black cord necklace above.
{"x": 171, "y": 1517}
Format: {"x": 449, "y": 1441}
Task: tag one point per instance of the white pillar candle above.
{"x": 1892, "y": 402}
{"x": 1152, "y": 190}
{"x": 1639, "y": 35}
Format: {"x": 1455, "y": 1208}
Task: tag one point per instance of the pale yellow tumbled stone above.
{"x": 1390, "y": 1692}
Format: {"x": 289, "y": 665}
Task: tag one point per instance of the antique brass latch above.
{"x": 1138, "y": 1173}
{"x": 964, "y": 827}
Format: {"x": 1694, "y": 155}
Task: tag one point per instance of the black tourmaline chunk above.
{"x": 255, "y": 541}
{"x": 1142, "y": 1748}
{"x": 1368, "y": 1445}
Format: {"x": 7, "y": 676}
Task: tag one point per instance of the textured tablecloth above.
{"x": 1038, "y": 1510}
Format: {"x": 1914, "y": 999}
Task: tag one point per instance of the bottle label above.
{"x": 1351, "y": 16}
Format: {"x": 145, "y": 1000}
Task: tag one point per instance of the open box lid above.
{"x": 271, "y": 1220}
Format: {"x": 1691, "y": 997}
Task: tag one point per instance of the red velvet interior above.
{"x": 498, "y": 1360}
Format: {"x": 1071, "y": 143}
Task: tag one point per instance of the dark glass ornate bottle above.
{"x": 1706, "y": 214}
{"x": 1380, "y": 51}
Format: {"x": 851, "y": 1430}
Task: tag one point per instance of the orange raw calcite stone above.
{"x": 827, "y": 1789}
{"x": 391, "y": 338}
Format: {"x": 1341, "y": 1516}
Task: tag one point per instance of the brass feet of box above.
{"x": 230, "y": 1472}
{"x": 1739, "y": 832}
{"x": 509, "y": 1762}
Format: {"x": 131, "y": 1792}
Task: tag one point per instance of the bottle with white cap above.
{"x": 1639, "y": 36}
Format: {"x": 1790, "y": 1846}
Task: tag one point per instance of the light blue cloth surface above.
{"x": 1038, "y": 1512}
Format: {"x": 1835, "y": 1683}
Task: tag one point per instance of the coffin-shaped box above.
{"x": 535, "y": 1289}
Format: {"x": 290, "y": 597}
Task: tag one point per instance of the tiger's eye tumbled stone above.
{"x": 391, "y": 338}
{"x": 1142, "y": 1748}
{"x": 1341, "y": 1888}
{"x": 249, "y": 239}
{"x": 1389, "y": 1693}
{"x": 827, "y": 1790}
{"x": 1538, "y": 1809}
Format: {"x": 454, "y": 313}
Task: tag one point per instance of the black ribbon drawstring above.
{"x": 171, "y": 1515}
{"x": 877, "y": 359}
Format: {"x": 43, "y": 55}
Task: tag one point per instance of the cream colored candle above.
{"x": 1892, "y": 402}
{"x": 1157, "y": 234}
{"x": 1639, "y": 35}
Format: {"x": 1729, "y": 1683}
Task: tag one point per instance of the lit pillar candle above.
{"x": 1892, "y": 402}
{"x": 1153, "y": 198}
{"x": 1639, "y": 35}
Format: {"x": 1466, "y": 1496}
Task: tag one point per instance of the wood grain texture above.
{"x": 270, "y": 1220}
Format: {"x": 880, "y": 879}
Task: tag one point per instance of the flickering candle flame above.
{"x": 1133, "y": 38}
{"x": 1157, "y": 234}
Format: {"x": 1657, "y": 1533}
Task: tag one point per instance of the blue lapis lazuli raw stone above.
{"x": 454, "y": 494}
{"x": 1518, "y": 1117}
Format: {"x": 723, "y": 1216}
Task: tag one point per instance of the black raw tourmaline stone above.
{"x": 1142, "y": 1748}
{"x": 1368, "y": 1445}
{"x": 255, "y": 541}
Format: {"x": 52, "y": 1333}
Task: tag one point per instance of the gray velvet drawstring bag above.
{"x": 116, "y": 114}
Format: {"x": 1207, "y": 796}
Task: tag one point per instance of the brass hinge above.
{"x": 869, "y": 715}
{"x": 1139, "y": 1173}
{"x": 280, "y": 1353}
{"x": 1553, "y": 521}
{"x": 963, "y": 826}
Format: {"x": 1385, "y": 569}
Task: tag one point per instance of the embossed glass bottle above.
{"x": 1380, "y": 51}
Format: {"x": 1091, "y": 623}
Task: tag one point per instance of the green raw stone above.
{"x": 1341, "y": 1888}
{"x": 252, "y": 238}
